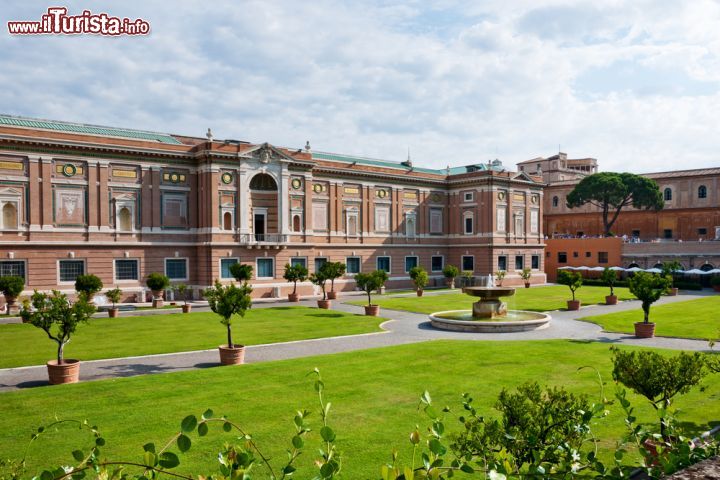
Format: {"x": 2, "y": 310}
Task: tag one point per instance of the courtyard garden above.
{"x": 698, "y": 319}
{"x": 374, "y": 395}
{"x": 538, "y": 299}
{"x": 177, "y": 332}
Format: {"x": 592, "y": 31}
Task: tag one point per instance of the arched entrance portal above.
{"x": 264, "y": 207}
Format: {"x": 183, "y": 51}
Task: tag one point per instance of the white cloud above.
{"x": 456, "y": 83}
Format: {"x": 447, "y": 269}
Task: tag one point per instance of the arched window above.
{"x": 124, "y": 220}
{"x": 556, "y": 200}
{"x": 667, "y": 194}
{"x": 702, "y": 191}
{"x": 9, "y": 216}
{"x": 263, "y": 181}
{"x": 296, "y": 223}
{"x": 633, "y": 265}
{"x": 707, "y": 267}
{"x": 658, "y": 265}
{"x": 227, "y": 221}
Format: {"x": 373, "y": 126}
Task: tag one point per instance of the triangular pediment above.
{"x": 10, "y": 192}
{"x": 266, "y": 153}
{"x": 523, "y": 176}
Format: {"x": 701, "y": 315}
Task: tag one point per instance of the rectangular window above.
{"x": 437, "y": 263}
{"x": 562, "y": 257}
{"x": 382, "y": 218}
{"x": 580, "y": 234}
{"x": 636, "y": 233}
{"x": 575, "y": 254}
{"x": 501, "y": 219}
{"x": 319, "y": 262}
{"x": 588, "y": 254}
{"x": 174, "y": 209}
{"x": 468, "y": 224}
{"x": 353, "y": 264}
{"x": 436, "y": 220}
{"x": 176, "y": 268}
{"x": 320, "y": 216}
{"x": 702, "y": 231}
{"x": 383, "y": 263}
{"x": 225, "y": 264}
{"x": 602, "y": 257}
{"x": 667, "y": 233}
{"x": 502, "y": 262}
{"x": 410, "y": 263}
{"x": 298, "y": 261}
{"x": 13, "y": 268}
{"x": 535, "y": 262}
{"x": 351, "y": 222}
{"x": 265, "y": 268}
{"x": 468, "y": 263}
{"x": 468, "y": 196}
{"x": 127, "y": 269}
{"x": 70, "y": 269}
{"x": 534, "y": 221}
{"x": 519, "y": 262}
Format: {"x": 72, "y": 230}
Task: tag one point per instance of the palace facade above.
{"x": 122, "y": 203}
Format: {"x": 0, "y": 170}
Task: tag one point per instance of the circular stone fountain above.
{"x": 489, "y": 314}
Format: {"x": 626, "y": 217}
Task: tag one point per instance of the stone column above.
{"x": 284, "y": 201}
{"x": 244, "y": 201}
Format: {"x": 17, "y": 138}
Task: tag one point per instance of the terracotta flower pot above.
{"x": 611, "y": 300}
{"x": 186, "y": 308}
{"x": 332, "y": 295}
{"x": 325, "y": 304}
{"x": 113, "y": 312}
{"x": 293, "y": 297}
{"x": 234, "y": 355}
{"x": 451, "y": 284}
{"x": 372, "y": 310}
{"x": 419, "y": 292}
{"x": 527, "y": 284}
{"x": 66, "y": 372}
{"x": 644, "y": 330}
{"x": 12, "y": 306}
{"x": 573, "y": 305}
{"x": 158, "y": 294}
{"x": 158, "y": 303}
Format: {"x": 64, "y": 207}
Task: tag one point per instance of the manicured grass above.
{"x": 24, "y": 344}
{"x": 374, "y": 395}
{"x": 538, "y": 299}
{"x": 692, "y": 319}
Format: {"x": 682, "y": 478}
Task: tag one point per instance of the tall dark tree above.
{"x": 611, "y": 192}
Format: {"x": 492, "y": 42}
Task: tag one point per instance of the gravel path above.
{"x": 403, "y": 328}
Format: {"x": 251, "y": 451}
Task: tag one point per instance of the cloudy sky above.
{"x": 635, "y": 84}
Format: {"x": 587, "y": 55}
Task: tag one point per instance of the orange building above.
{"x": 581, "y": 252}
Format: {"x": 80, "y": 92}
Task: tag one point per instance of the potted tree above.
{"x": 368, "y": 282}
{"x": 58, "y": 318}
{"x": 228, "y": 301}
{"x": 715, "y": 283}
{"x": 114, "y": 296}
{"x": 574, "y": 281}
{"x": 333, "y": 271}
{"x": 467, "y": 277}
{"x": 241, "y": 272}
{"x": 384, "y": 277}
{"x": 157, "y": 283}
{"x": 320, "y": 278}
{"x": 451, "y": 272}
{"x": 12, "y": 286}
{"x": 295, "y": 273}
{"x": 182, "y": 292}
{"x": 609, "y": 277}
{"x": 525, "y": 275}
{"x": 648, "y": 288}
{"x": 88, "y": 286}
{"x": 499, "y": 277}
{"x": 419, "y": 277}
{"x": 668, "y": 270}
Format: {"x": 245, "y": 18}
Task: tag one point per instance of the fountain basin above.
{"x": 514, "y": 321}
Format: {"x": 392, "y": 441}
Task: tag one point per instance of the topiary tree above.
{"x": 367, "y": 282}
{"x": 383, "y": 277}
{"x": 499, "y": 277}
{"x": 295, "y": 273}
{"x": 57, "y": 317}
{"x": 526, "y": 274}
{"x": 228, "y": 301}
{"x": 333, "y": 271}
{"x": 241, "y": 272}
{"x": 114, "y": 296}
{"x": 11, "y": 286}
{"x": 88, "y": 285}
{"x": 182, "y": 291}
{"x": 419, "y": 277}
{"x": 611, "y": 192}
{"x": 669, "y": 269}
{"x": 573, "y": 280}
{"x": 657, "y": 377}
{"x": 157, "y": 282}
{"x": 609, "y": 278}
{"x": 451, "y": 272}
{"x": 320, "y": 279}
{"x": 648, "y": 288}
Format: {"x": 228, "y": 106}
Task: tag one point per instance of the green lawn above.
{"x": 374, "y": 395}
{"x": 538, "y": 299}
{"x": 692, "y": 319}
{"x": 177, "y": 332}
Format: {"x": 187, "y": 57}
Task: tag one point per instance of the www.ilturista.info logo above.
{"x": 57, "y": 22}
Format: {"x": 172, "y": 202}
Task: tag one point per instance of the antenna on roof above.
{"x": 408, "y": 162}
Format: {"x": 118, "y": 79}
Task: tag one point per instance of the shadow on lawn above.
{"x": 326, "y": 315}
{"x": 132, "y": 369}
{"x": 29, "y": 384}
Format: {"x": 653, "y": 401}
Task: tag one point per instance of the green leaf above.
{"x": 202, "y": 429}
{"x": 436, "y": 447}
{"x": 425, "y": 397}
{"x": 189, "y": 423}
{"x": 409, "y": 474}
{"x": 415, "y": 437}
{"x": 208, "y": 414}
{"x": 227, "y": 426}
{"x": 79, "y": 475}
{"x": 149, "y": 459}
{"x": 327, "y": 434}
{"x": 183, "y": 443}
{"x": 467, "y": 468}
{"x": 149, "y": 447}
{"x": 297, "y": 442}
{"x": 46, "y": 475}
{"x": 99, "y": 441}
{"x": 169, "y": 460}
{"x": 78, "y": 455}
{"x": 327, "y": 470}
{"x": 288, "y": 469}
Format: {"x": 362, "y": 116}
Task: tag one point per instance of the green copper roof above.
{"x": 89, "y": 129}
{"x": 338, "y": 157}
